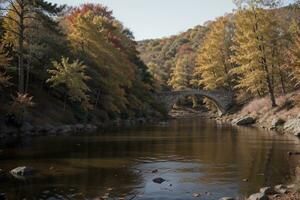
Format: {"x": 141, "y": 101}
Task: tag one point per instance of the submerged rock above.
{"x": 158, "y": 180}
{"x": 258, "y": 196}
{"x": 23, "y": 171}
{"x": 244, "y": 121}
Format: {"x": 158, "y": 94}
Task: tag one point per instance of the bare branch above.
{"x": 14, "y": 7}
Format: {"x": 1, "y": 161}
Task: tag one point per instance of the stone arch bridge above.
{"x": 223, "y": 99}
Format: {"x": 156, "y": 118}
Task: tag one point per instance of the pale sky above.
{"x": 159, "y": 18}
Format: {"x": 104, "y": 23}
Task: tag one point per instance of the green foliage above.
{"x": 72, "y": 76}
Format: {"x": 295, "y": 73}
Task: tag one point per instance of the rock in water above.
{"x": 22, "y": 171}
{"x": 227, "y": 198}
{"x": 267, "y": 191}
{"x": 244, "y": 121}
{"x": 2, "y": 196}
{"x": 258, "y": 196}
{"x": 158, "y": 180}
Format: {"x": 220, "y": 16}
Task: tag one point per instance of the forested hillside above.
{"x": 163, "y": 55}
{"x": 70, "y": 64}
{"x": 253, "y": 52}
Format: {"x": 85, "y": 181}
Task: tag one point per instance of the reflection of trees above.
{"x": 89, "y": 183}
{"x": 90, "y": 164}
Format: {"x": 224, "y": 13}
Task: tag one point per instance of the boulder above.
{"x": 65, "y": 129}
{"x": 267, "y": 191}
{"x": 244, "y": 121}
{"x": 79, "y": 127}
{"x": 276, "y": 122}
{"x": 23, "y": 171}
{"x": 293, "y": 126}
{"x": 281, "y": 189}
{"x": 27, "y": 127}
{"x": 90, "y": 128}
{"x": 158, "y": 180}
{"x": 258, "y": 196}
{"x": 227, "y": 198}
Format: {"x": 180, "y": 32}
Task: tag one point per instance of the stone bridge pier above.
{"x": 223, "y": 99}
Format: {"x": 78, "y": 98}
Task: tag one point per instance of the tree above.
{"x": 110, "y": 68}
{"x": 213, "y": 60}
{"x": 18, "y": 17}
{"x": 182, "y": 73}
{"x": 72, "y": 76}
{"x": 294, "y": 53}
{"x": 253, "y": 48}
{"x": 4, "y": 62}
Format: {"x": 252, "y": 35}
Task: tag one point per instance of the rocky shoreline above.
{"x": 9, "y": 134}
{"x": 291, "y": 126}
{"x": 278, "y": 192}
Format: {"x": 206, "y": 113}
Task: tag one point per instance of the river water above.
{"x": 194, "y": 156}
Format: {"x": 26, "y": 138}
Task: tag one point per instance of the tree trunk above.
{"x": 271, "y": 92}
{"x": 65, "y": 102}
{"x": 21, "y": 52}
{"x": 97, "y": 99}
{"x": 282, "y": 83}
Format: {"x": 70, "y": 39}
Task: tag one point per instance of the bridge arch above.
{"x": 223, "y": 99}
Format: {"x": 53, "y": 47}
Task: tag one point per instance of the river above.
{"x": 194, "y": 156}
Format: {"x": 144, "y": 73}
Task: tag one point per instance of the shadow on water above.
{"x": 192, "y": 155}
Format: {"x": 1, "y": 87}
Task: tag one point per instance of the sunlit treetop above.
{"x": 96, "y": 9}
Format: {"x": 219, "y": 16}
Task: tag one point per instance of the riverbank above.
{"x": 284, "y": 118}
{"x": 10, "y": 134}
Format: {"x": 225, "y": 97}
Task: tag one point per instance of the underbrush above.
{"x": 288, "y": 106}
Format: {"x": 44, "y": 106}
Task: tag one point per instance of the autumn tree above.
{"x": 72, "y": 76}
{"x": 182, "y": 72}
{"x": 19, "y": 16}
{"x": 213, "y": 59}
{"x": 4, "y": 62}
{"x": 294, "y": 53}
{"x": 253, "y": 47}
{"x": 119, "y": 80}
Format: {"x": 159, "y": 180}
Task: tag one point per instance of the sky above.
{"x": 149, "y": 19}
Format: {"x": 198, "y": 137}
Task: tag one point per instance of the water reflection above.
{"x": 192, "y": 155}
